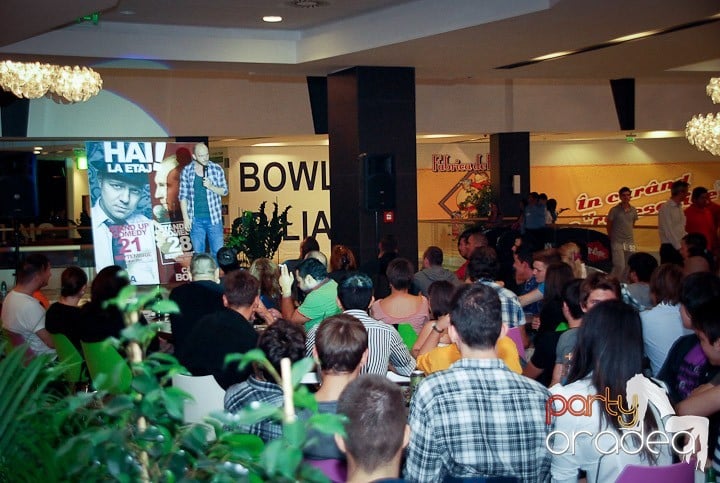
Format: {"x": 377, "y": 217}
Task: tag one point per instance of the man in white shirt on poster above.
{"x": 121, "y": 235}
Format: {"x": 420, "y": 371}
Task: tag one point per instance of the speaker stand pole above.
{"x": 377, "y": 231}
{"x": 16, "y": 245}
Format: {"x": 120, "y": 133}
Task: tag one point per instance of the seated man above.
{"x": 201, "y": 296}
{"x": 432, "y": 270}
{"x": 226, "y": 331}
{"x": 385, "y": 345}
{"x": 280, "y": 340}
{"x": 477, "y": 418}
{"x": 376, "y": 429}
{"x": 341, "y": 350}
{"x": 21, "y": 313}
{"x": 640, "y": 268}
{"x": 482, "y": 269}
{"x": 320, "y": 290}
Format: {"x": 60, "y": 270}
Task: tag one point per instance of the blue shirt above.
{"x": 534, "y": 217}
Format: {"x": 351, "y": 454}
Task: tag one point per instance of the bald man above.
{"x": 202, "y": 183}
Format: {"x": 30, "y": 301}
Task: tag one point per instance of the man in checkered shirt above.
{"x": 483, "y": 268}
{"x": 478, "y": 418}
{"x": 202, "y": 183}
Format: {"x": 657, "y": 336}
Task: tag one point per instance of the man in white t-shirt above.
{"x": 22, "y": 314}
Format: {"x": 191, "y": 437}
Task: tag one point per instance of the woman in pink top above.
{"x": 400, "y": 307}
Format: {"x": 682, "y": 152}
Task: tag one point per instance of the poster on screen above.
{"x": 135, "y": 214}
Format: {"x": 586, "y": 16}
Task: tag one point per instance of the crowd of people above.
{"x": 501, "y": 355}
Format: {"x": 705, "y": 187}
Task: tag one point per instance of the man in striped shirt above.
{"x": 384, "y": 342}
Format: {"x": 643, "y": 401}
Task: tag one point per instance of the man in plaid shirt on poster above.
{"x": 477, "y": 418}
{"x": 202, "y": 183}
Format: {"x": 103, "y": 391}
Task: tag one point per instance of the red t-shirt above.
{"x": 700, "y": 220}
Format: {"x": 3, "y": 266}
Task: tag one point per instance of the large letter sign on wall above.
{"x": 299, "y": 178}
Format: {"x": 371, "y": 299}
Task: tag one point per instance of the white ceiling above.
{"x": 445, "y": 40}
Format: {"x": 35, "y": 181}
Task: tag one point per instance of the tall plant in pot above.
{"x": 255, "y": 235}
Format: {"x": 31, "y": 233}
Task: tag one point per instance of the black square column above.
{"x": 510, "y": 170}
{"x": 371, "y": 111}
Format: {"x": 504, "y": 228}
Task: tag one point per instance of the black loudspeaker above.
{"x": 623, "y": 91}
{"x": 318, "y": 92}
{"x": 18, "y": 185}
{"x": 379, "y": 181}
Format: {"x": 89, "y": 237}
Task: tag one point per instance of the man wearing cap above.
{"x": 121, "y": 235}
{"x": 202, "y": 183}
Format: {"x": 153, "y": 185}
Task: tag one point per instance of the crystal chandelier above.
{"x": 703, "y": 132}
{"x": 64, "y": 84}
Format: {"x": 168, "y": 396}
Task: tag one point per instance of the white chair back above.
{"x": 207, "y": 395}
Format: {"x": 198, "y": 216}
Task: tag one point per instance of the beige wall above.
{"x": 160, "y": 102}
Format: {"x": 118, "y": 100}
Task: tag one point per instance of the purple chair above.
{"x": 516, "y": 337}
{"x": 16, "y": 340}
{"x": 335, "y": 470}
{"x": 677, "y": 473}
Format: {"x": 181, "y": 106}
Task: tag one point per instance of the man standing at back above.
{"x": 620, "y": 222}
{"x": 477, "y": 418}
{"x": 202, "y": 183}
{"x": 671, "y": 224}
{"x": 203, "y": 295}
{"x": 22, "y": 314}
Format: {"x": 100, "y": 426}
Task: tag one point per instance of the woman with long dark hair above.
{"x": 608, "y": 354}
{"x": 551, "y": 325}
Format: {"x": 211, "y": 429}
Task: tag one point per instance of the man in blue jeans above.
{"x": 202, "y": 183}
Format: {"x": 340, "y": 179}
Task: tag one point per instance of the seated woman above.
{"x": 551, "y": 324}
{"x": 696, "y": 258}
{"x": 434, "y": 350}
{"x": 268, "y": 273}
{"x": 440, "y": 294}
{"x": 342, "y": 262}
{"x": 606, "y": 357}
{"x": 401, "y": 307}
{"x": 98, "y": 322}
{"x": 64, "y": 316}
{"x": 570, "y": 253}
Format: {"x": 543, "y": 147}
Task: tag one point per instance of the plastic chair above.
{"x": 69, "y": 356}
{"x": 207, "y": 397}
{"x": 516, "y": 337}
{"x": 16, "y": 340}
{"x": 335, "y": 470}
{"x": 407, "y": 334}
{"x": 677, "y": 473}
{"x": 108, "y": 370}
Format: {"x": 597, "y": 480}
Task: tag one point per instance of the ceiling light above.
{"x": 272, "y": 18}
{"x": 554, "y": 55}
{"x": 33, "y": 80}
{"x": 703, "y": 132}
{"x": 437, "y": 136}
{"x": 639, "y": 35}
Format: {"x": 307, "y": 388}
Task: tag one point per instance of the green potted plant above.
{"x": 256, "y": 236}
{"x": 54, "y": 435}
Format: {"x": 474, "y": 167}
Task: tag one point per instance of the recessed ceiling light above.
{"x": 127, "y": 12}
{"x": 272, "y": 18}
